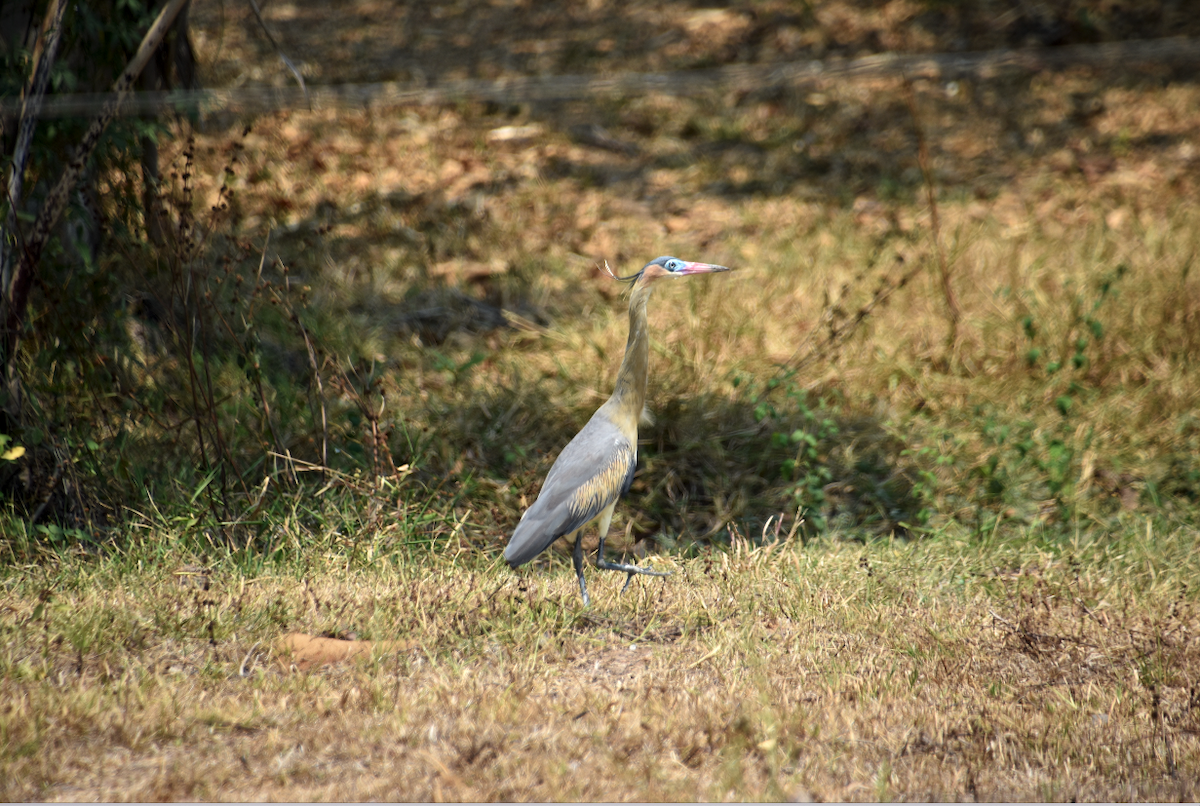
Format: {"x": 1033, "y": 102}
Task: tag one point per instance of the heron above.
{"x": 596, "y": 468}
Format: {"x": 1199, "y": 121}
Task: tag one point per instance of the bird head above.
{"x": 667, "y": 266}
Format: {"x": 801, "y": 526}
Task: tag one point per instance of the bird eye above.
{"x": 672, "y": 265}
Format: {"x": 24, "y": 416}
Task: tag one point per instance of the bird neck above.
{"x": 629, "y": 394}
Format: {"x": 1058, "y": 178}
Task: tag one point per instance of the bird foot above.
{"x": 631, "y": 570}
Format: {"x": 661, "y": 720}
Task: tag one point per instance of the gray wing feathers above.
{"x": 593, "y": 470}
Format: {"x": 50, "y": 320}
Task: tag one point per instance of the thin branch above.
{"x": 16, "y": 293}
{"x": 952, "y": 309}
{"x": 840, "y": 331}
{"x": 278, "y": 50}
{"x": 31, "y": 103}
{"x": 312, "y": 362}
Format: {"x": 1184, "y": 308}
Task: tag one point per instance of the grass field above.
{"x": 941, "y": 669}
{"x": 929, "y": 490}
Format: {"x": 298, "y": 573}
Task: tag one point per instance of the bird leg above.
{"x": 605, "y": 522}
{"x": 577, "y": 557}
{"x": 626, "y": 567}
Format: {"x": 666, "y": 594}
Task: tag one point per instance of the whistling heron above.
{"x": 597, "y": 466}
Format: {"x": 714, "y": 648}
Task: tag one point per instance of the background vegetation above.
{"x": 953, "y": 375}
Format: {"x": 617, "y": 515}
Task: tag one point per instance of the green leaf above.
{"x": 203, "y": 485}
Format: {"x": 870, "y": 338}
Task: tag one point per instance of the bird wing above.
{"x": 593, "y": 471}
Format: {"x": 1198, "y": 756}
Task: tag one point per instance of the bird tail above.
{"x": 521, "y": 547}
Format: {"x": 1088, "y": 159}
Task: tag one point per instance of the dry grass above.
{"x": 409, "y": 206}
{"x": 1038, "y": 644}
{"x": 938, "y": 670}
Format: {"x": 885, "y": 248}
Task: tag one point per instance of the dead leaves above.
{"x": 305, "y": 652}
